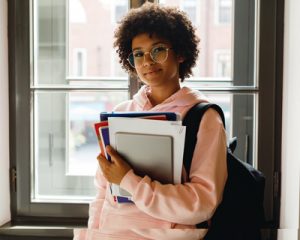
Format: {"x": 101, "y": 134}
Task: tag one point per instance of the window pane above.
{"x": 214, "y": 24}
{"x": 74, "y": 39}
{"x": 70, "y": 48}
{"x": 73, "y": 46}
{"x": 65, "y": 146}
{"x": 213, "y": 38}
{"x": 50, "y": 42}
{"x": 91, "y": 26}
{"x": 190, "y": 7}
{"x": 239, "y": 111}
{"x": 224, "y": 11}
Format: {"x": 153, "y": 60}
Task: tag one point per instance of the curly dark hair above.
{"x": 168, "y": 23}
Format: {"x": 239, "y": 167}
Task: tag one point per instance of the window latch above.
{"x": 13, "y": 178}
{"x": 276, "y": 184}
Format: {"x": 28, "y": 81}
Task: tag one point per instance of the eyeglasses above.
{"x": 158, "y": 54}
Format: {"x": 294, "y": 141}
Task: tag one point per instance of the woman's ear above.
{"x": 180, "y": 59}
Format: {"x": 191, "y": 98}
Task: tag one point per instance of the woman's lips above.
{"x": 153, "y": 71}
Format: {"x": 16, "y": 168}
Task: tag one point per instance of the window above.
{"x": 223, "y": 11}
{"x": 222, "y": 63}
{"x": 120, "y": 8}
{"x": 79, "y": 66}
{"x": 190, "y": 7}
{"x": 213, "y": 37}
{"x": 76, "y": 12}
{"x": 71, "y": 73}
{"x": 117, "y": 70}
{"x": 67, "y": 101}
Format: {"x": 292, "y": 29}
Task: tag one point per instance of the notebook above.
{"x": 148, "y": 154}
{"x": 142, "y": 126}
{"x": 170, "y": 116}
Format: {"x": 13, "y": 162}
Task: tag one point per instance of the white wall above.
{"x": 290, "y": 191}
{"x": 4, "y": 144}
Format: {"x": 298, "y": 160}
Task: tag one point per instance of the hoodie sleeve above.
{"x": 195, "y": 201}
{"x": 96, "y": 205}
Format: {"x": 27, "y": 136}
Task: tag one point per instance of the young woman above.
{"x": 159, "y": 46}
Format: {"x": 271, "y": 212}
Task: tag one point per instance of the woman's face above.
{"x": 164, "y": 72}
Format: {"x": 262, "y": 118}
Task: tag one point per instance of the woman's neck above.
{"x": 158, "y": 95}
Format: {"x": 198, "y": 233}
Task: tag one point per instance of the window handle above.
{"x": 50, "y": 140}
{"x": 246, "y": 152}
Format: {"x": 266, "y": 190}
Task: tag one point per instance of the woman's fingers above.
{"x": 115, "y": 169}
{"x": 115, "y": 157}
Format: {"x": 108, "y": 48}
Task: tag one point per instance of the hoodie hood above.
{"x": 183, "y": 97}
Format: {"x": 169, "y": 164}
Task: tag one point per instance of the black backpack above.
{"x": 240, "y": 215}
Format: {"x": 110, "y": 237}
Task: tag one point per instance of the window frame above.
{"x": 270, "y": 43}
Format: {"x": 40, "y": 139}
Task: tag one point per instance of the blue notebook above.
{"x": 104, "y": 131}
{"x": 170, "y": 116}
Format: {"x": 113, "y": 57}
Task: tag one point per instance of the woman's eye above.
{"x": 158, "y": 49}
{"x": 138, "y": 54}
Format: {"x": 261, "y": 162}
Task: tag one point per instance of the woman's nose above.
{"x": 148, "y": 59}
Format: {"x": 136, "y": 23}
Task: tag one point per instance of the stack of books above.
{"x": 151, "y": 142}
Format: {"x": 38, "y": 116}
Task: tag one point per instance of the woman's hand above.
{"x": 115, "y": 170}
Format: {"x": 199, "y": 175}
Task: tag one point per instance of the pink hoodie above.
{"x": 164, "y": 211}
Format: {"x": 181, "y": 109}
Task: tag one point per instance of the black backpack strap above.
{"x": 192, "y": 121}
{"x": 244, "y": 185}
